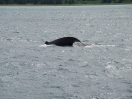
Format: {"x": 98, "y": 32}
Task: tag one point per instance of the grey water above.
{"x": 29, "y": 70}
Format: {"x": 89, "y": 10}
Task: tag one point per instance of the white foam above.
{"x": 105, "y": 45}
{"x": 82, "y": 44}
{"x": 111, "y": 45}
{"x": 89, "y": 46}
{"x": 44, "y": 45}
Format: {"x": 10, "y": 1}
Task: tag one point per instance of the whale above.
{"x": 64, "y": 41}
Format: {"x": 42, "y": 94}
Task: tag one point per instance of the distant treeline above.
{"x": 62, "y": 1}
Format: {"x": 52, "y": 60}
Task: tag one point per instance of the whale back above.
{"x": 65, "y": 41}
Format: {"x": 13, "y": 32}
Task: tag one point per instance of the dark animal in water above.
{"x": 64, "y": 41}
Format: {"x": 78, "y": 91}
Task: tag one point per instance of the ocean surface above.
{"x": 31, "y": 70}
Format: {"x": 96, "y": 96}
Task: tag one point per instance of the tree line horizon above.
{"x": 62, "y": 1}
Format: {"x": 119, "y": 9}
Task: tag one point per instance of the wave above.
{"x": 81, "y": 44}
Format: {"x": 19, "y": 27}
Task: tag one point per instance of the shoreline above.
{"x": 65, "y": 4}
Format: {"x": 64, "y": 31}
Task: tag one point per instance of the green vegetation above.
{"x": 62, "y": 1}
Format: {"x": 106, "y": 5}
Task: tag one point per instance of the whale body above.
{"x": 64, "y": 41}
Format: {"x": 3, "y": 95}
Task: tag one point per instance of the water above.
{"x": 29, "y": 70}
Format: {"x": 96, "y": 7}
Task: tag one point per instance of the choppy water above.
{"x": 29, "y": 70}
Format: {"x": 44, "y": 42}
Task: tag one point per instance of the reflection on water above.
{"x": 31, "y": 70}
